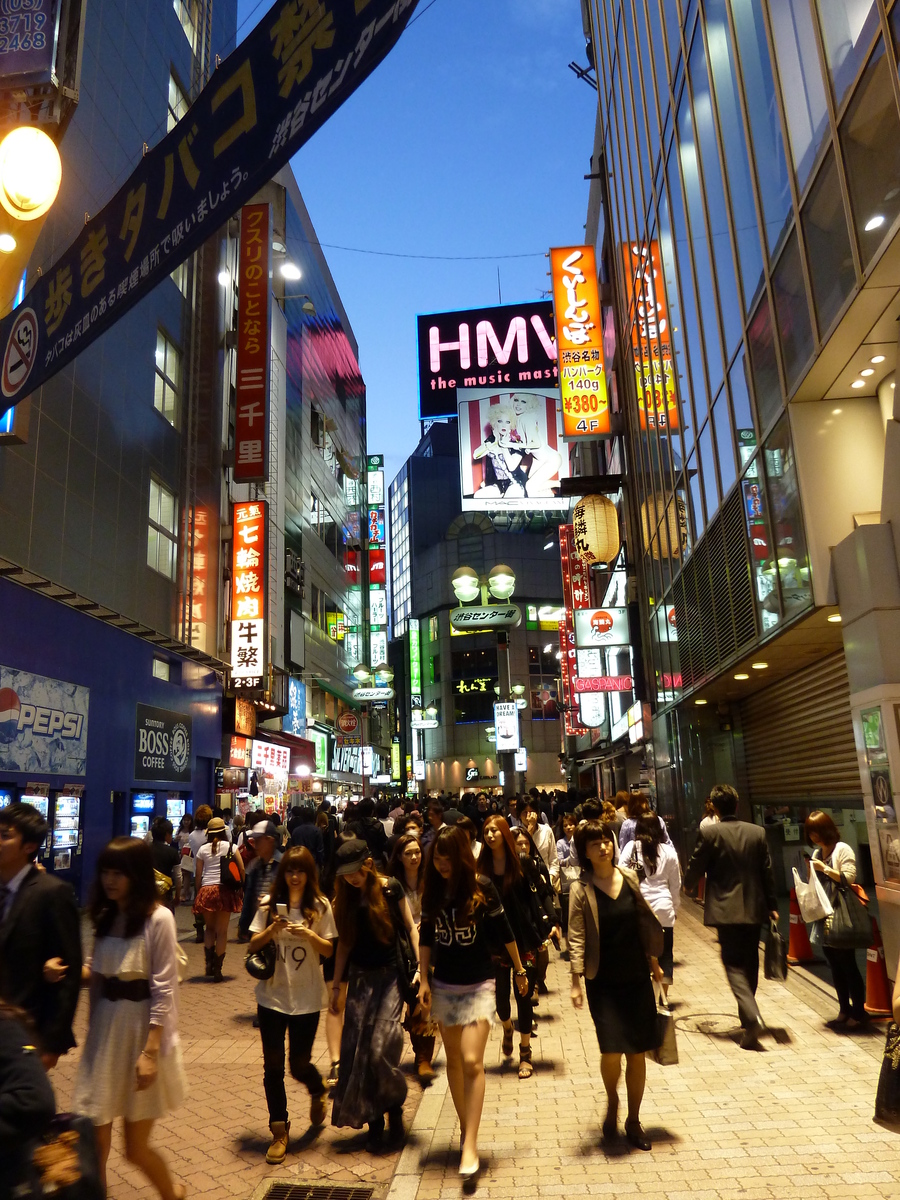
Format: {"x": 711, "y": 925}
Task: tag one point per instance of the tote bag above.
{"x": 849, "y": 927}
{"x": 666, "y": 1053}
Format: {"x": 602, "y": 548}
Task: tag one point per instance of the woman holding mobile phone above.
{"x": 299, "y": 920}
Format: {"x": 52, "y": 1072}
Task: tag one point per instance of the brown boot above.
{"x": 424, "y": 1054}
{"x": 210, "y": 953}
{"x": 218, "y": 959}
{"x": 278, "y": 1148}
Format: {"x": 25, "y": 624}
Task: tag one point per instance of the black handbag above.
{"x": 63, "y": 1163}
{"x": 887, "y": 1098}
{"x": 407, "y": 964}
{"x": 849, "y": 927}
{"x": 775, "y": 956}
{"x": 261, "y": 963}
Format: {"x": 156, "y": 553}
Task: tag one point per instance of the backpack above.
{"x": 230, "y": 872}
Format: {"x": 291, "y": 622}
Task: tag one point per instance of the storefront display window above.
{"x": 882, "y": 795}
{"x": 787, "y": 521}
{"x": 762, "y": 562}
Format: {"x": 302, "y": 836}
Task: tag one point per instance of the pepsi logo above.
{"x": 9, "y": 715}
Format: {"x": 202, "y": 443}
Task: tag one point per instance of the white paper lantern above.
{"x": 595, "y": 525}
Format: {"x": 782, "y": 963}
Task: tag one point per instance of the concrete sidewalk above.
{"x": 794, "y": 1119}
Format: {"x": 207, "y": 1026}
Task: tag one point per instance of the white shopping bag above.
{"x": 812, "y": 899}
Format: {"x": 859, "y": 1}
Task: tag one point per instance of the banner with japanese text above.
{"x": 249, "y": 596}
{"x": 576, "y": 594}
{"x": 579, "y": 341}
{"x": 251, "y": 403}
{"x": 269, "y": 96}
{"x": 650, "y": 337}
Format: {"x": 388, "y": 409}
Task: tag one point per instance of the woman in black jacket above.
{"x": 525, "y": 844}
{"x": 531, "y": 919}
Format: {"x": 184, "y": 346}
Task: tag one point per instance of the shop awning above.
{"x": 303, "y": 752}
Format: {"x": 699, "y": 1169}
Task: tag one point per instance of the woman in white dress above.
{"x": 131, "y": 1065}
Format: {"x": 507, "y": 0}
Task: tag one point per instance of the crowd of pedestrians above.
{"x": 389, "y": 921}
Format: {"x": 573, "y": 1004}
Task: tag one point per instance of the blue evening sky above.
{"x": 471, "y": 138}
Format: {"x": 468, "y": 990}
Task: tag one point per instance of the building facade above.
{"x": 447, "y": 682}
{"x": 746, "y": 203}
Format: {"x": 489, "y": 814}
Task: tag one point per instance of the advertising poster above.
{"x": 512, "y": 344}
{"x": 28, "y": 34}
{"x": 162, "y": 745}
{"x": 650, "y": 337}
{"x": 511, "y": 450}
{"x": 579, "y": 340}
{"x": 506, "y": 725}
{"x": 43, "y": 724}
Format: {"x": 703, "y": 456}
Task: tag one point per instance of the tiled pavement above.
{"x": 792, "y": 1120}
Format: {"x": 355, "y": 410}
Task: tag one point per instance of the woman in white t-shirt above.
{"x": 298, "y": 918}
{"x": 216, "y": 902}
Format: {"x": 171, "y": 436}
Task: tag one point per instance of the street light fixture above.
{"x": 466, "y": 584}
{"x": 502, "y": 581}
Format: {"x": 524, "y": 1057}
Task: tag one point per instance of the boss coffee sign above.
{"x": 162, "y": 745}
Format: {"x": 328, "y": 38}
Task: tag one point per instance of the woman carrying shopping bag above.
{"x": 834, "y": 861}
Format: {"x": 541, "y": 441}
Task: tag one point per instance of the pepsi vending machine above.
{"x": 66, "y": 812}
{"x": 38, "y": 795}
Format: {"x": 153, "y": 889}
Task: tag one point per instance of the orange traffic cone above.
{"x": 799, "y": 949}
{"x": 878, "y": 992}
{"x": 701, "y": 890}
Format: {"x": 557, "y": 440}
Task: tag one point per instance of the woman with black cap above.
{"x": 369, "y": 911}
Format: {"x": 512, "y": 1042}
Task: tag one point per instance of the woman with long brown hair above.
{"x": 131, "y": 1064}
{"x": 835, "y": 860}
{"x": 531, "y": 920}
{"x": 407, "y": 866}
{"x": 298, "y": 919}
{"x": 369, "y": 910}
{"x": 461, "y": 915}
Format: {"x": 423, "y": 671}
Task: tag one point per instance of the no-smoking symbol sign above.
{"x": 21, "y": 352}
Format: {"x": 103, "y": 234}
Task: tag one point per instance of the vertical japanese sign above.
{"x": 576, "y": 594}
{"x": 248, "y": 595}
{"x": 415, "y": 658}
{"x": 263, "y": 102}
{"x": 200, "y": 576}
{"x": 653, "y": 367}
{"x": 579, "y": 341}
{"x": 251, "y": 414}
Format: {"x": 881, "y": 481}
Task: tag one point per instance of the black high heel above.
{"x": 634, "y": 1132}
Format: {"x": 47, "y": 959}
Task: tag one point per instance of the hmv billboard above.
{"x": 511, "y": 346}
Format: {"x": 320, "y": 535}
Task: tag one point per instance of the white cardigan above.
{"x": 662, "y": 888}
{"x": 841, "y": 859}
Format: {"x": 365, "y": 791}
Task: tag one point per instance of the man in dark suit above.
{"x": 740, "y": 896}
{"x": 39, "y": 922}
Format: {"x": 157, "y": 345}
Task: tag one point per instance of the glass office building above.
{"x": 745, "y": 204}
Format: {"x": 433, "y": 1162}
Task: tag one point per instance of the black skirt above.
{"x": 624, "y": 1015}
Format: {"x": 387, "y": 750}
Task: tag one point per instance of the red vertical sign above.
{"x": 251, "y": 414}
{"x": 576, "y": 594}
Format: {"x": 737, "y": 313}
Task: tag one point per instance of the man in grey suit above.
{"x": 740, "y": 896}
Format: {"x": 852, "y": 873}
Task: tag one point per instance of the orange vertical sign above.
{"x": 650, "y": 338}
{"x": 248, "y": 594}
{"x": 579, "y": 341}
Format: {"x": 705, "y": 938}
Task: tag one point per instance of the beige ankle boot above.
{"x": 278, "y": 1149}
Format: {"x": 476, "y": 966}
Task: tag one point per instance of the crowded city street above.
{"x": 792, "y": 1119}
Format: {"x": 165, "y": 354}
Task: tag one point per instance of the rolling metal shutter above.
{"x": 798, "y": 735}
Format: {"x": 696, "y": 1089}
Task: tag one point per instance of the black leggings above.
{"x": 503, "y": 981}
{"x": 848, "y": 982}
{"x": 301, "y": 1031}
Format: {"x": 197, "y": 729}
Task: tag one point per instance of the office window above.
{"x": 828, "y": 244}
{"x": 805, "y": 104}
{"x": 734, "y": 144}
{"x": 180, "y": 278}
{"x": 870, "y": 137}
{"x": 162, "y": 543}
{"x": 178, "y": 104}
{"x": 848, "y": 27}
{"x": 763, "y": 365}
{"x": 762, "y": 112}
{"x": 168, "y": 378}
{"x": 792, "y": 311}
{"x": 188, "y": 13}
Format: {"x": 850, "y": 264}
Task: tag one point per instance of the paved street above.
{"x": 727, "y": 1124}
